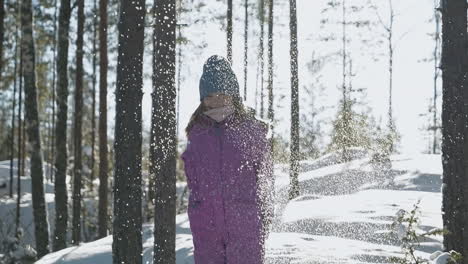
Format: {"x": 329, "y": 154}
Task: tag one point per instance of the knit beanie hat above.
{"x": 218, "y": 76}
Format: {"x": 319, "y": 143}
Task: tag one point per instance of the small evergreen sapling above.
{"x": 404, "y": 227}
{"x": 16, "y": 251}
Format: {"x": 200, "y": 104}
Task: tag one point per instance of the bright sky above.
{"x": 413, "y": 84}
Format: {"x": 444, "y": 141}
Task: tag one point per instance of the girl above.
{"x": 228, "y": 165}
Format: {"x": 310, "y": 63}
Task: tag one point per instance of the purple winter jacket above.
{"x": 229, "y": 172}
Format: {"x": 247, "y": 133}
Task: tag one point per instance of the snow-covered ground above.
{"x": 8, "y": 205}
{"x": 343, "y": 215}
{"x": 344, "y": 212}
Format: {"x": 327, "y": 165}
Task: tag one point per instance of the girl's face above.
{"x": 216, "y": 100}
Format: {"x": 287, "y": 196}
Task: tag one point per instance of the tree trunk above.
{"x": 454, "y": 146}
{"x": 103, "y": 160}
{"x": 151, "y": 176}
{"x": 294, "y": 159}
{"x": 39, "y": 206}
{"x": 23, "y": 143}
{"x": 391, "y": 124}
{"x": 61, "y": 195}
{"x": 77, "y": 173}
{"x": 179, "y": 67}
{"x": 343, "y": 3}
{"x": 229, "y": 31}
{"x": 2, "y": 32}
{"x": 13, "y": 114}
{"x": 93, "y": 108}
{"x": 246, "y": 46}
{"x": 262, "y": 60}
{"x": 127, "y": 221}
{"x": 256, "y": 89}
{"x": 52, "y": 145}
{"x": 346, "y": 102}
{"x": 436, "y": 77}
{"x": 271, "y": 113}
{"x": 20, "y": 104}
{"x": 163, "y": 124}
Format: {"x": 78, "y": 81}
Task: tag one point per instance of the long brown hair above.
{"x": 240, "y": 111}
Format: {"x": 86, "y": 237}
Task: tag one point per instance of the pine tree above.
{"x": 433, "y": 125}
{"x": 23, "y": 142}
{"x": 2, "y": 33}
{"x": 391, "y": 122}
{"x": 229, "y": 31}
{"x": 31, "y": 113}
{"x": 345, "y": 134}
{"x": 261, "y": 54}
{"x": 103, "y": 161}
{"x": 436, "y": 54}
{"x": 271, "y": 113}
{"x": 393, "y": 134}
{"x": 294, "y": 159}
{"x": 454, "y": 116}
{"x": 77, "y": 169}
{"x": 163, "y": 136}
{"x": 20, "y": 103}
{"x": 61, "y": 195}
{"x": 310, "y": 124}
{"x": 127, "y": 220}
{"x": 350, "y": 130}
{"x": 45, "y": 60}
{"x": 12, "y": 147}
{"x": 52, "y": 132}
{"x": 93, "y": 108}
{"x": 246, "y": 45}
